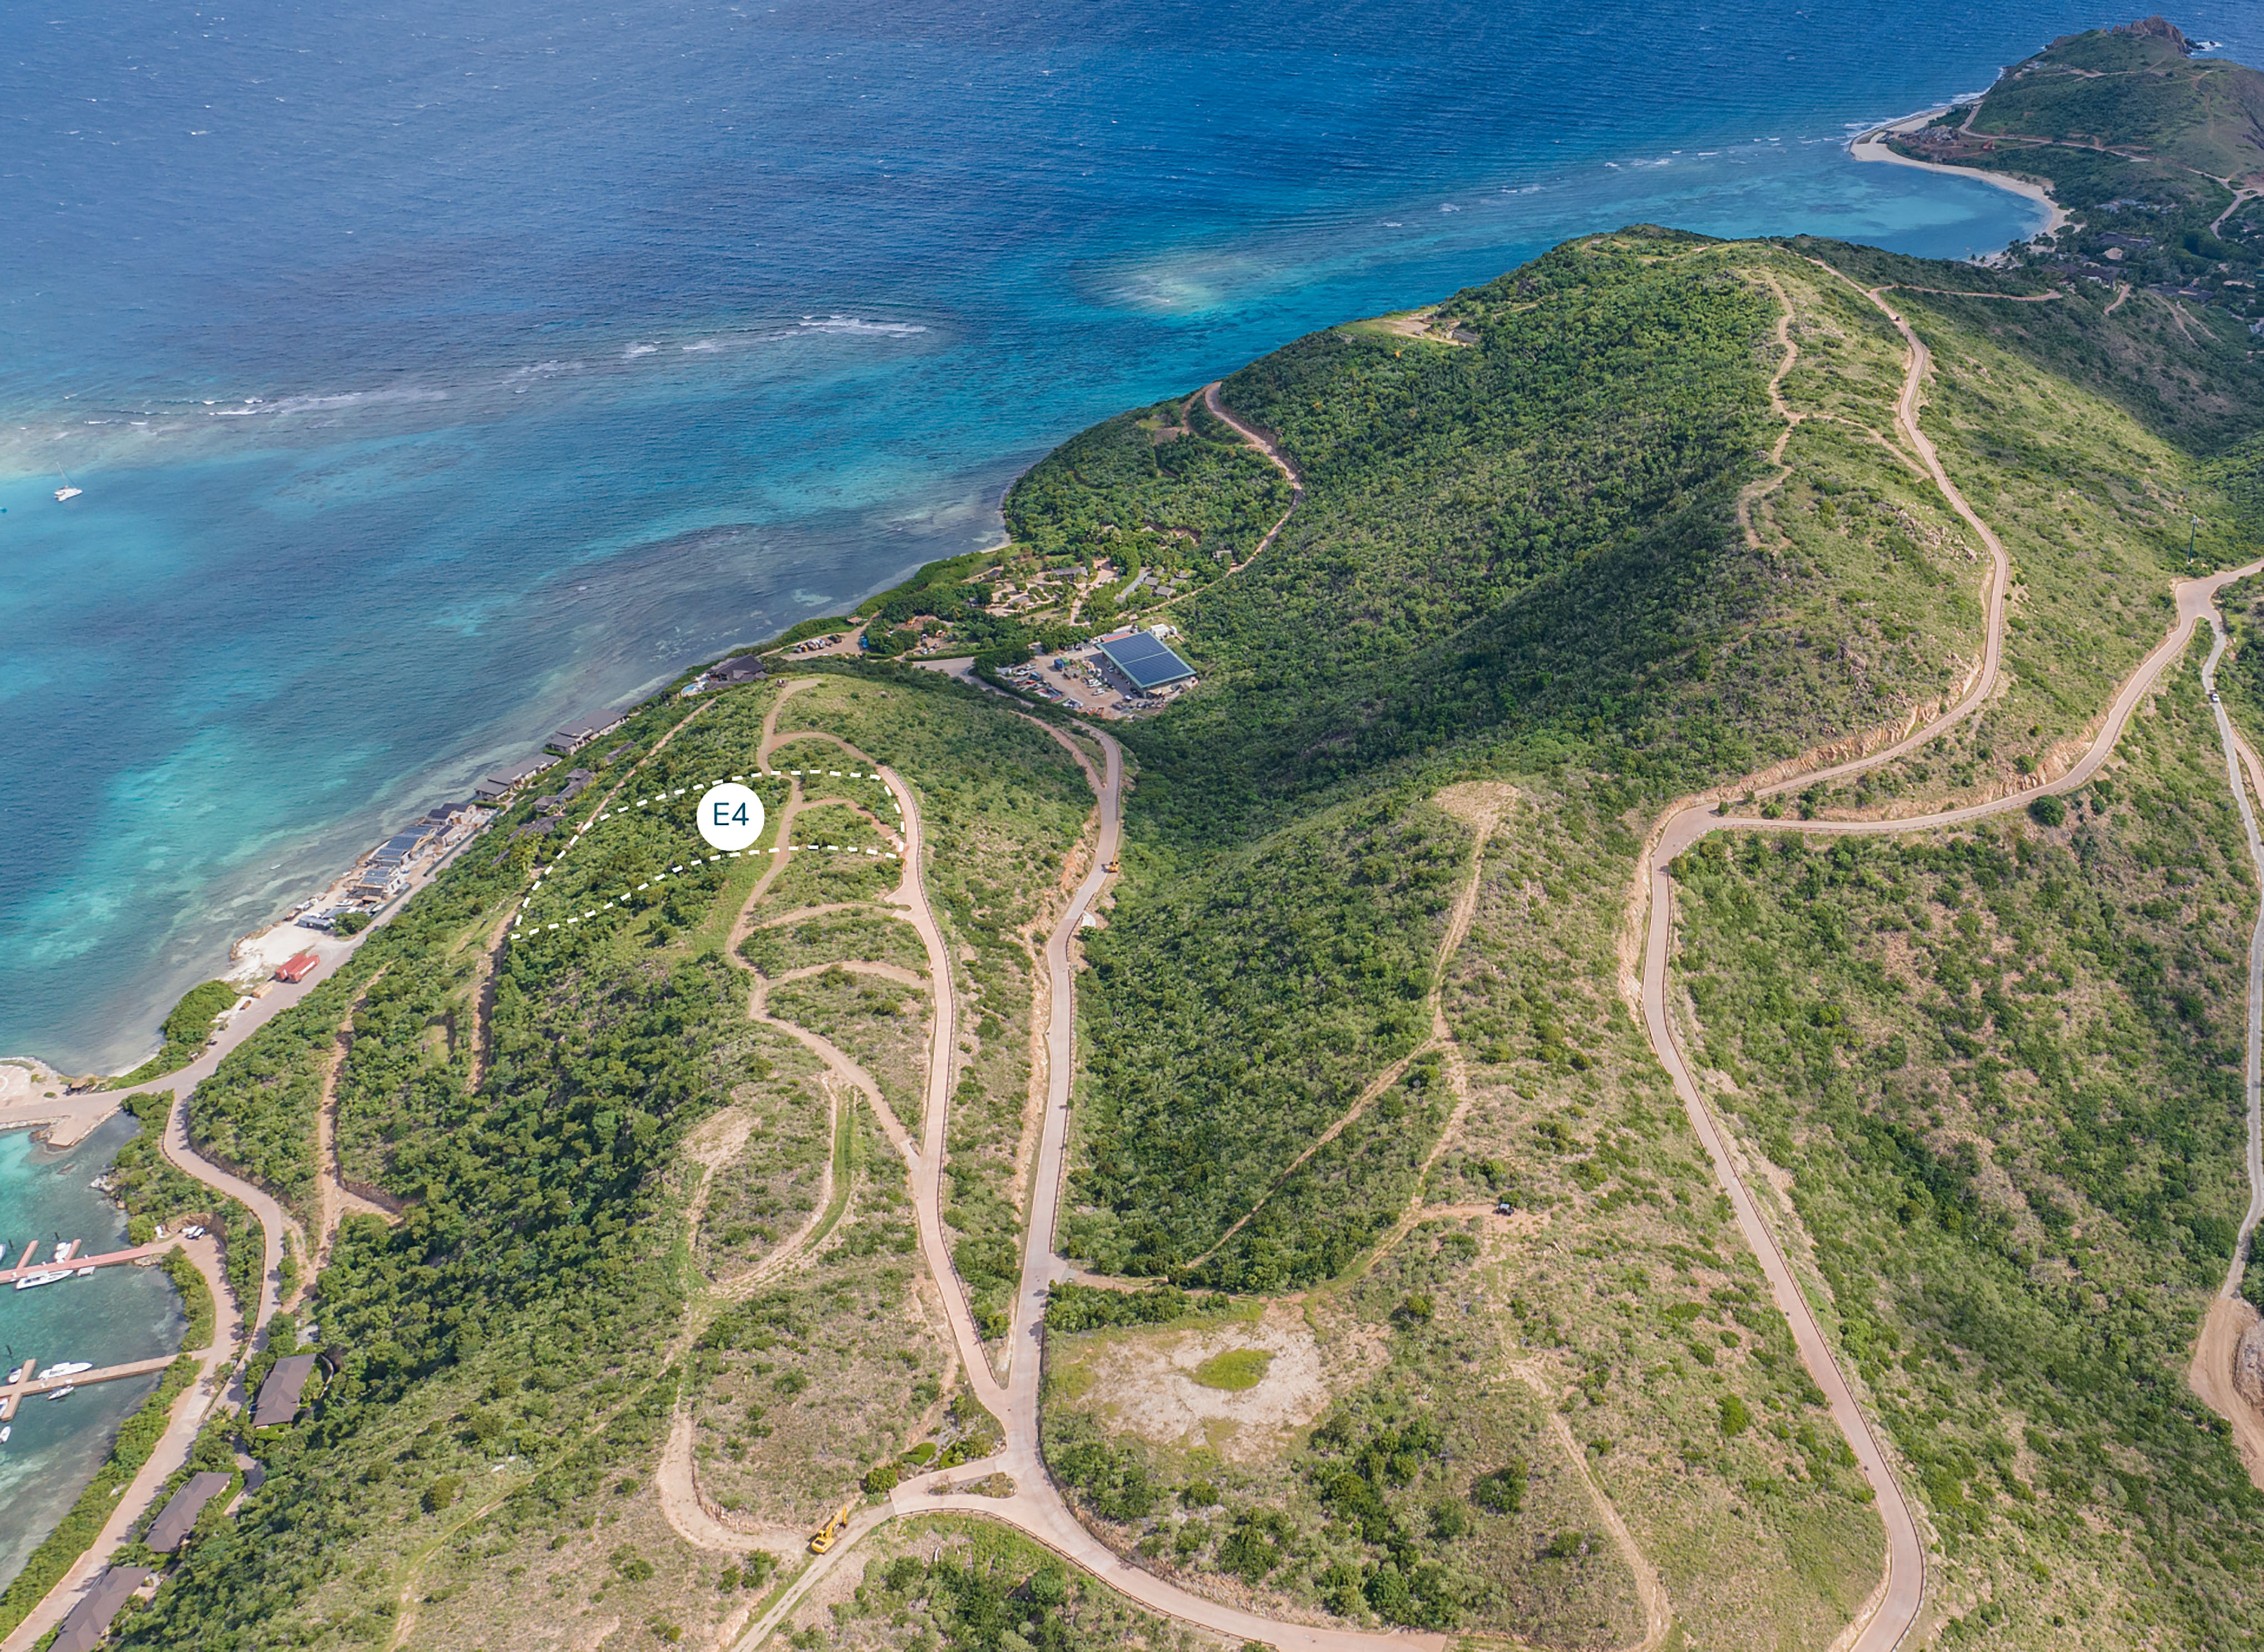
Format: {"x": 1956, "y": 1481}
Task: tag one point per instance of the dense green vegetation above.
{"x": 965, "y": 1585}
{"x": 1125, "y": 489}
{"x": 1238, "y": 1020}
{"x": 186, "y": 1031}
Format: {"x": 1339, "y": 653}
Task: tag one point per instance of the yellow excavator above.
{"x": 823, "y": 1538}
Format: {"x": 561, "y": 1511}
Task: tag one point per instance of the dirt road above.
{"x": 1894, "y": 1608}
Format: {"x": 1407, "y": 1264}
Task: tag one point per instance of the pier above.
{"x": 108, "y": 1259}
{"x": 13, "y": 1395}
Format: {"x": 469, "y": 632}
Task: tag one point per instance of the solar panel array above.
{"x": 1145, "y": 658}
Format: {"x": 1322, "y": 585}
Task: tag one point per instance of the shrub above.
{"x": 1235, "y": 1370}
{"x": 441, "y": 1493}
{"x": 880, "y": 1479}
{"x": 2048, "y": 811}
{"x": 1734, "y": 1418}
{"x": 1502, "y": 1491}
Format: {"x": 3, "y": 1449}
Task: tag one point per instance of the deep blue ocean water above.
{"x": 434, "y": 374}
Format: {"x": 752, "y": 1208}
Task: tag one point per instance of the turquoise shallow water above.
{"x": 432, "y": 377}
{"x": 115, "y": 1316}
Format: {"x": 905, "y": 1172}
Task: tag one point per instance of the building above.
{"x": 89, "y": 1622}
{"x": 379, "y": 884}
{"x": 297, "y": 967}
{"x": 1146, "y": 660}
{"x": 278, "y": 1395}
{"x": 181, "y": 1511}
{"x": 743, "y": 668}
{"x": 505, "y": 781}
{"x": 576, "y": 735}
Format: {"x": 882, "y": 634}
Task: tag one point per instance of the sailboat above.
{"x": 67, "y": 491}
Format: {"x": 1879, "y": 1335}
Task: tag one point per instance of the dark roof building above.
{"x": 182, "y": 1510}
{"x": 90, "y": 1620}
{"x": 743, "y": 668}
{"x": 278, "y": 1395}
{"x": 1146, "y": 659}
{"x": 505, "y": 781}
{"x": 575, "y": 735}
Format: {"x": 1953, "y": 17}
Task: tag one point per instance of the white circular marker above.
{"x": 730, "y": 817}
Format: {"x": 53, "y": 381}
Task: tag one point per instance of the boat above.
{"x": 83, "y": 1273}
{"x": 62, "y": 493}
{"x": 30, "y": 1281}
{"x": 6, "y": 1429}
{"x": 67, "y": 1368}
{"x": 17, "y": 1375}
{"x": 65, "y": 1391}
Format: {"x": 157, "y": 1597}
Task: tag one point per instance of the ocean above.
{"x": 433, "y": 375}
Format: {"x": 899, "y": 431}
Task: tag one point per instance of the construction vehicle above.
{"x": 1112, "y": 866}
{"x": 823, "y": 1538}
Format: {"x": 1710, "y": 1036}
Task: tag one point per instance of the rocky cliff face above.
{"x": 2156, "y": 29}
{"x": 2248, "y": 1365}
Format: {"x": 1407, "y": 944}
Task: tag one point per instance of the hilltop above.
{"x": 2156, "y": 153}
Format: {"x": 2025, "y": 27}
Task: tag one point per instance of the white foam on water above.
{"x": 857, "y": 325}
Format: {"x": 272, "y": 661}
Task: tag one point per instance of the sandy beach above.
{"x": 1872, "y": 147}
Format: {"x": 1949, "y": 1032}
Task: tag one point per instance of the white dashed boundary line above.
{"x": 717, "y": 859}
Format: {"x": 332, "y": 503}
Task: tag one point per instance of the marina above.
{"x": 58, "y": 1380}
{"x": 28, "y": 1271}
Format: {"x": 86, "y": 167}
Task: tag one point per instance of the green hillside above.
{"x": 1412, "y": 1298}
{"x": 2156, "y": 155}
{"x": 2139, "y": 92}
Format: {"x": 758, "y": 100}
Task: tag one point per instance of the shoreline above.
{"x": 1871, "y": 147}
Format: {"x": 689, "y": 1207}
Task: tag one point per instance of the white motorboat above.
{"x": 67, "y": 1368}
{"x": 83, "y": 1273}
{"x": 33, "y": 1281}
{"x": 65, "y": 1391}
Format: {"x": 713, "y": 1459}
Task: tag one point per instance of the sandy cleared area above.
{"x": 2227, "y": 1372}
{"x": 23, "y": 1081}
{"x": 1872, "y": 147}
{"x": 256, "y": 957}
{"x": 1144, "y": 1382}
